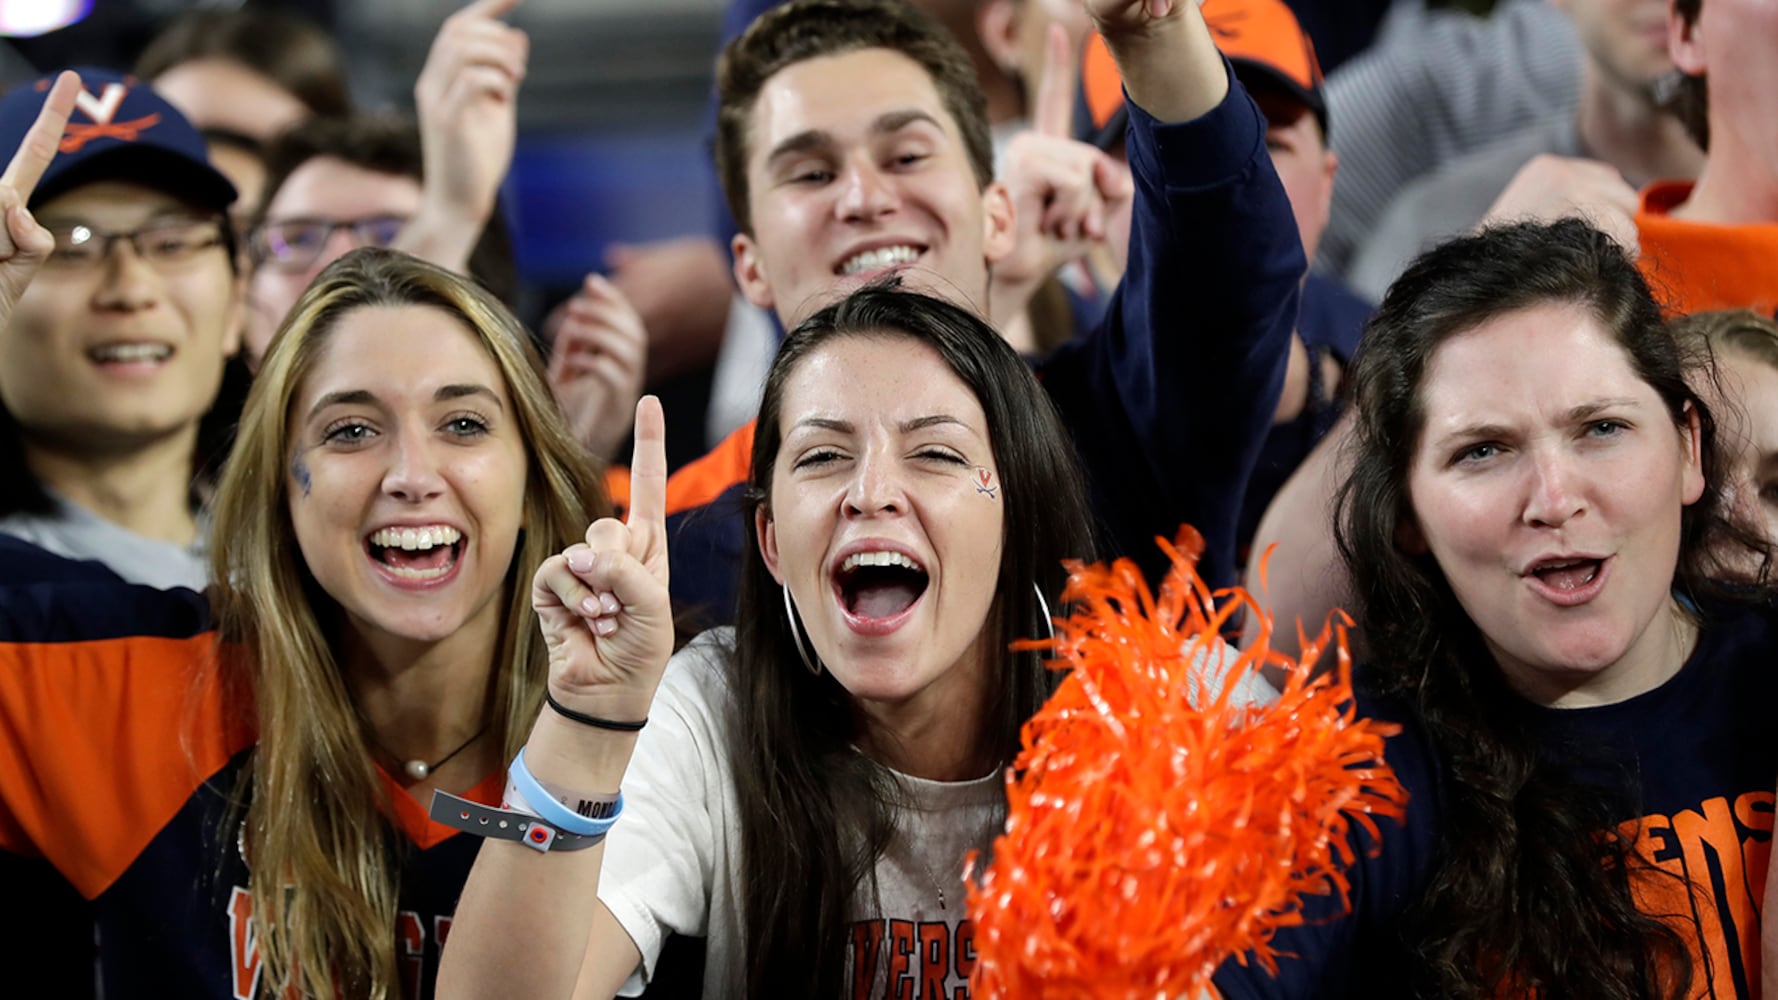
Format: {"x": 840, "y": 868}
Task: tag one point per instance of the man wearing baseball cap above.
{"x": 114, "y": 350}
{"x": 1275, "y": 61}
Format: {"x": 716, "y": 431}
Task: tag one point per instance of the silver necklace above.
{"x": 937, "y": 886}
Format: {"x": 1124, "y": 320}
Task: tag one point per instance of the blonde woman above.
{"x": 242, "y": 797}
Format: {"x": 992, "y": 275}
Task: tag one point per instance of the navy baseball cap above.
{"x": 121, "y": 130}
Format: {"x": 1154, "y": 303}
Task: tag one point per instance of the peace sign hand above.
{"x": 23, "y": 243}
{"x": 603, "y": 605}
{"x": 1064, "y": 192}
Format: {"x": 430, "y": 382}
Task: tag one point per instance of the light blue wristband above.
{"x": 552, "y": 811}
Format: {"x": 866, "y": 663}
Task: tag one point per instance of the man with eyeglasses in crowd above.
{"x": 115, "y": 352}
{"x": 334, "y": 184}
{"x": 430, "y": 188}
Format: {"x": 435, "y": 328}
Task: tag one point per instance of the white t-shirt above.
{"x": 672, "y": 865}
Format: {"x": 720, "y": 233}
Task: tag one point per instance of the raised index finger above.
{"x": 490, "y": 8}
{"x": 648, "y": 470}
{"x": 1054, "y": 110}
{"x": 40, "y": 143}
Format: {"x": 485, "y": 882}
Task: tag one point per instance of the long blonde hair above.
{"x": 318, "y": 841}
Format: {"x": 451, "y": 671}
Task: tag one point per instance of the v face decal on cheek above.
{"x": 986, "y": 484}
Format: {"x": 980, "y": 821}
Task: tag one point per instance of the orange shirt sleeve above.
{"x": 697, "y": 483}
{"x": 700, "y": 482}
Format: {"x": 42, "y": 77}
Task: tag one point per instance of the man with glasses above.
{"x": 115, "y": 351}
{"x": 333, "y": 184}
{"x": 298, "y": 243}
{"x": 428, "y": 188}
{"x": 336, "y": 184}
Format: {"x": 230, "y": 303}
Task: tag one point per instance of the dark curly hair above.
{"x": 1531, "y": 894}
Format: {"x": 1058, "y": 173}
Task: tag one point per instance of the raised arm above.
{"x": 527, "y": 919}
{"x": 1172, "y": 396}
{"x": 23, "y": 243}
{"x": 1169, "y": 63}
{"x": 596, "y": 365}
{"x": 467, "y": 98}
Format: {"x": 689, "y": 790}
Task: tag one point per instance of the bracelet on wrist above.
{"x": 596, "y": 805}
{"x": 502, "y": 824}
{"x": 591, "y": 720}
{"x": 586, "y": 818}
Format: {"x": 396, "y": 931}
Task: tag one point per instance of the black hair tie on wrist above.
{"x": 590, "y": 720}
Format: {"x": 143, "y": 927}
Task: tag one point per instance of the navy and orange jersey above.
{"x": 55, "y": 931}
{"x": 1168, "y": 399}
{"x": 22, "y": 563}
{"x": 706, "y": 530}
{"x": 1692, "y": 763}
{"x": 121, "y": 753}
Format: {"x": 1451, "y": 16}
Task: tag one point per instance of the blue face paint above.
{"x": 299, "y": 470}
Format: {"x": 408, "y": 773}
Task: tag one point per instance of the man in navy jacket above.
{"x": 842, "y": 166}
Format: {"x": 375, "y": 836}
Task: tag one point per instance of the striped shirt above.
{"x": 1437, "y": 85}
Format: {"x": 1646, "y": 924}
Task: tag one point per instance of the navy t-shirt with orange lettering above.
{"x": 1694, "y": 760}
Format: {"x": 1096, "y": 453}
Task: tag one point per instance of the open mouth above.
{"x": 416, "y": 553}
{"x": 130, "y": 354}
{"x": 878, "y": 259}
{"x": 874, "y": 586}
{"x": 1567, "y": 575}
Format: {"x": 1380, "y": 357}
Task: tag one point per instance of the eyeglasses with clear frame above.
{"x": 164, "y": 243}
{"x": 295, "y": 244}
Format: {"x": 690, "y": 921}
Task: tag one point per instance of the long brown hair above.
{"x": 1740, "y": 331}
{"x": 318, "y": 839}
{"x": 815, "y": 815}
{"x": 1532, "y": 890}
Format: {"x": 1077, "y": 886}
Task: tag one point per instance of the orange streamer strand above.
{"x": 1156, "y": 827}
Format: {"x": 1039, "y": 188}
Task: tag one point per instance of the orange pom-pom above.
{"x": 1158, "y": 827}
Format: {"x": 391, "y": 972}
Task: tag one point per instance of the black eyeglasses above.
{"x": 164, "y": 243}
{"x": 295, "y": 244}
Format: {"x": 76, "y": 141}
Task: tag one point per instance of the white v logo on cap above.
{"x": 103, "y": 108}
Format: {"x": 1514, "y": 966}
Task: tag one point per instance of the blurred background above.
{"x": 613, "y": 134}
{"x": 614, "y": 121}
{"x": 612, "y": 143}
